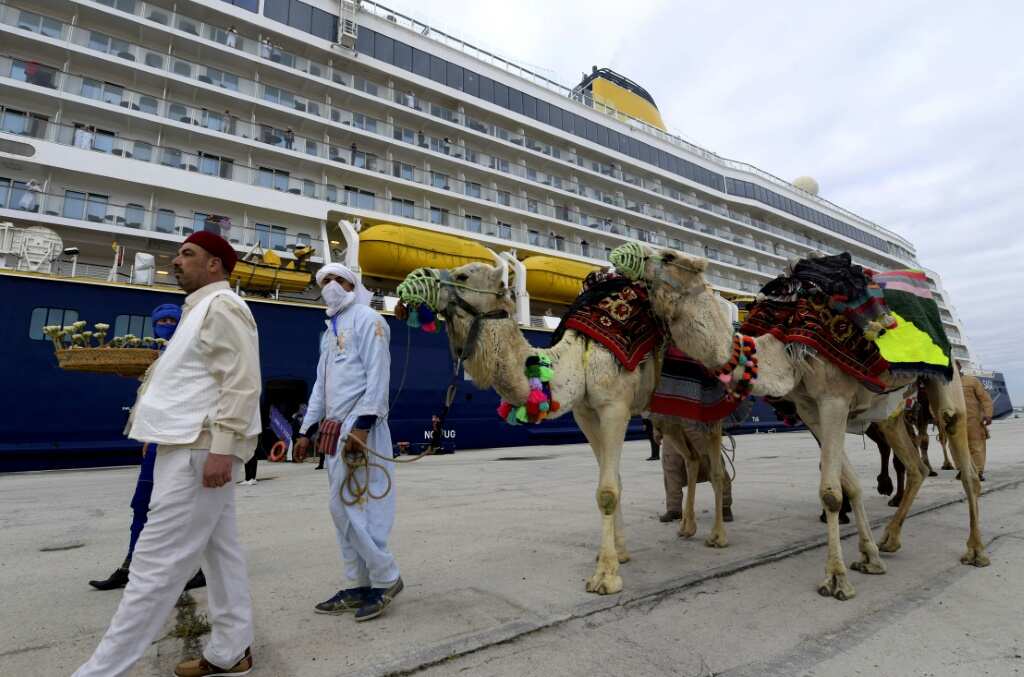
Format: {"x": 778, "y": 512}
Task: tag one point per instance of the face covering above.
{"x": 164, "y": 331}
{"x": 336, "y": 298}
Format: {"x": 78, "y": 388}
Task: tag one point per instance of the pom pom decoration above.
{"x": 539, "y": 403}
{"x": 420, "y": 316}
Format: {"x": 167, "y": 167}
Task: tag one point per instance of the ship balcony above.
{"x": 97, "y": 41}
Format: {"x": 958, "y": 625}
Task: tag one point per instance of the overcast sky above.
{"x": 910, "y": 114}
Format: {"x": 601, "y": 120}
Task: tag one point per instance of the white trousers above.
{"x": 188, "y": 525}
{"x": 363, "y": 529}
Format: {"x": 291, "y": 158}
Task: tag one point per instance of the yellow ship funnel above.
{"x": 391, "y": 251}
{"x": 555, "y": 280}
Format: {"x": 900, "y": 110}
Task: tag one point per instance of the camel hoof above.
{"x": 889, "y": 543}
{"x": 868, "y": 567}
{"x": 838, "y": 587}
{"x": 687, "y": 530}
{"x": 884, "y": 484}
{"x": 932, "y": 473}
{"x": 975, "y": 557}
{"x": 623, "y": 556}
{"x": 948, "y": 466}
{"x": 716, "y": 541}
{"x": 895, "y": 501}
{"x": 604, "y": 584}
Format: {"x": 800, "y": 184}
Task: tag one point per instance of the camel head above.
{"x": 460, "y": 295}
{"x": 680, "y": 295}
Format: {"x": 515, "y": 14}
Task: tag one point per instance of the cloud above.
{"x": 906, "y": 113}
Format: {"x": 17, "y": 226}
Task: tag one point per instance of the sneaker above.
{"x": 116, "y": 580}
{"x": 197, "y": 581}
{"x": 670, "y": 516}
{"x": 344, "y": 601}
{"x": 200, "y": 667}
{"x": 377, "y": 600}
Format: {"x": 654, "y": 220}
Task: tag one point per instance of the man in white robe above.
{"x": 352, "y": 382}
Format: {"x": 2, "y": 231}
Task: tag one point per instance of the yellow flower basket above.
{"x": 127, "y": 362}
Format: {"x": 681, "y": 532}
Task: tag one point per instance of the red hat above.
{"x": 216, "y": 246}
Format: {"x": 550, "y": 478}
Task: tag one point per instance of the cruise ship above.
{"x": 316, "y": 130}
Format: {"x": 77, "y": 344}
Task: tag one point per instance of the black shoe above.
{"x": 377, "y": 600}
{"x": 670, "y": 516}
{"x": 653, "y": 458}
{"x": 118, "y": 579}
{"x": 197, "y": 581}
{"x": 343, "y": 601}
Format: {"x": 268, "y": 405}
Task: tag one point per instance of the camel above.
{"x": 588, "y": 381}
{"x": 826, "y": 398}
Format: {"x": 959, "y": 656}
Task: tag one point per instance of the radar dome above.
{"x": 807, "y": 184}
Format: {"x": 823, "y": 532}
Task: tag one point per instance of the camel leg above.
{"x": 915, "y": 472}
{"x": 827, "y": 420}
{"x": 949, "y": 412}
{"x": 870, "y": 562}
{"x": 947, "y": 462}
{"x": 688, "y": 525}
{"x": 884, "y": 481}
{"x": 900, "y": 468}
{"x": 711, "y": 443}
{"x": 606, "y": 432}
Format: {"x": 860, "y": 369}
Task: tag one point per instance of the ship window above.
{"x": 42, "y": 317}
{"x": 439, "y": 180}
{"x": 272, "y": 178}
{"x": 486, "y": 88}
{"x": 515, "y": 100}
{"x": 542, "y": 111}
{"x": 277, "y": 10}
{"x": 470, "y": 83}
{"x": 31, "y": 21}
{"x": 165, "y": 221}
{"x": 504, "y": 230}
{"x": 437, "y": 68}
{"x": 500, "y": 95}
{"x": 271, "y": 237}
{"x": 383, "y": 48}
{"x": 439, "y": 216}
{"x": 324, "y": 25}
{"x": 140, "y": 326}
{"x": 134, "y": 215}
{"x": 421, "y": 63}
{"x": 403, "y": 171}
{"x": 453, "y": 76}
{"x": 403, "y": 56}
{"x": 529, "y": 106}
{"x": 33, "y": 73}
{"x": 300, "y": 16}
{"x": 473, "y": 223}
{"x": 357, "y": 197}
{"x": 400, "y": 207}
{"x": 364, "y": 160}
{"x": 473, "y": 189}
{"x": 504, "y": 198}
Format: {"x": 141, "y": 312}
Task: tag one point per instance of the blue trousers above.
{"x": 143, "y": 492}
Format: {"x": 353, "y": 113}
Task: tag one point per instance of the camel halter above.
{"x": 631, "y": 261}
{"x": 423, "y": 285}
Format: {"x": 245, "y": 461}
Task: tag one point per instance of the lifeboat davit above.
{"x": 555, "y": 280}
{"x": 390, "y": 251}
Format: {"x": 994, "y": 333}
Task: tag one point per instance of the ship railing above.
{"x": 227, "y": 123}
{"x": 110, "y": 45}
{"x": 97, "y": 210}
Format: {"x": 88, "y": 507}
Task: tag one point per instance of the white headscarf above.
{"x": 359, "y": 293}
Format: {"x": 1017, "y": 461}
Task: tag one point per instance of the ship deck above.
{"x": 495, "y": 545}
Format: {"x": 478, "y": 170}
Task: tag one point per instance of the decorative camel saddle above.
{"x": 865, "y": 322}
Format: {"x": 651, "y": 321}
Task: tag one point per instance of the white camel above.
{"x": 826, "y": 399}
{"x": 588, "y": 381}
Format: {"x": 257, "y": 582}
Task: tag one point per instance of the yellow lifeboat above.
{"x": 555, "y": 280}
{"x": 268, "y": 273}
{"x": 392, "y": 252}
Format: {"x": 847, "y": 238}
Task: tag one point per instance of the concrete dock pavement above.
{"x": 495, "y": 547}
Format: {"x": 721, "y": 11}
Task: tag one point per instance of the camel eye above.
{"x": 668, "y": 258}
{"x": 462, "y": 277}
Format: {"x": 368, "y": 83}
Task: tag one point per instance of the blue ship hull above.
{"x": 56, "y": 419}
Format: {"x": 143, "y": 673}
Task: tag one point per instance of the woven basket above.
{"x": 128, "y": 362}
